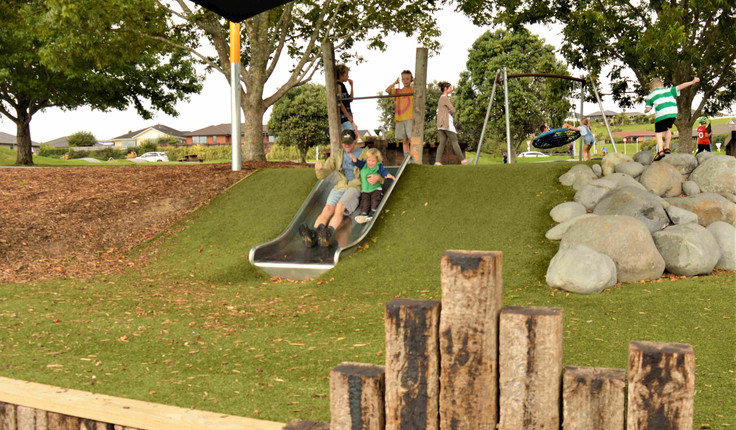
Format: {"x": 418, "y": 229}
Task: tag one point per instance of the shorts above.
{"x": 663, "y": 125}
{"x": 348, "y": 197}
{"x": 403, "y": 129}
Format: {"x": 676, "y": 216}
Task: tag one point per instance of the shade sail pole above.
{"x": 235, "y": 95}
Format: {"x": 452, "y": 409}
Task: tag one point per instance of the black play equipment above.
{"x": 555, "y": 138}
{"x": 237, "y": 11}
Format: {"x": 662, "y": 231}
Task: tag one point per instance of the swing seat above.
{"x": 555, "y": 138}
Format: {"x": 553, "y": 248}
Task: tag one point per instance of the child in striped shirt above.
{"x": 664, "y": 102}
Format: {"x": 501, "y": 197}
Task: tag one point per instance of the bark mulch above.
{"x": 81, "y": 221}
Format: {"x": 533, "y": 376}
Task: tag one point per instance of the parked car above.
{"x": 152, "y": 156}
{"x": 532, "y": 154}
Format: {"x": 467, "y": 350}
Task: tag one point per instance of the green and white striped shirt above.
{"x": 664, "y": 103}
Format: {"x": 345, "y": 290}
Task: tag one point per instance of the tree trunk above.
{"x": 253, "y": 131}
{"x": 23, "y": 139}
{"x": 684, "y": 131}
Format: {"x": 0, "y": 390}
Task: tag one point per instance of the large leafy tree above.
{"x": 299, "y": 118}
{"x": 672, "y": 40}
{"x": 295, "y": 32}
{"x": 532, "y": 101}
{"x": 72, "y": 53}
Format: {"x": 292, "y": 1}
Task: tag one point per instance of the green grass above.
{"x": 200, "y": 327}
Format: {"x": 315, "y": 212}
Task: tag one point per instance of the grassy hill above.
{"x": 200, "y": 327}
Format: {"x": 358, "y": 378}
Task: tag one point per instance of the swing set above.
{"x": 550, "y": 139}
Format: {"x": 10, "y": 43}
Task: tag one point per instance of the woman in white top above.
{"x": 446, "y": 126}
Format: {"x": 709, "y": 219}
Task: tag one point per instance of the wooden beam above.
{"x": 593, "y": 398}
{"x": 471, "y": 302}
{"x": 333, "y": 108}
{"x": 306, "y": 425}
{"x": 356, "y": 397}
{"x": 420, "y": 98}
{"x": 661, "y": 386}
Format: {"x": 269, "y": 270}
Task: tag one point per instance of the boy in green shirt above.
{"x": 370, "y": 194}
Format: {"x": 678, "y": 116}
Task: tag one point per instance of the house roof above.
{"x": 59, "y": 143}
{"x": 219, "y": 130}
{"x": 10, "y": 139}
{"x": 162, "y": 128}
{"x": 609, "y": 113}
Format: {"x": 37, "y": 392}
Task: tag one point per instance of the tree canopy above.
{"x": 532, "y": 101}
{"x": 299, "y": 118}
{"x": 72, "y": 53}
{"x": 82, "y": 138}
{"x": 674, "y": 41}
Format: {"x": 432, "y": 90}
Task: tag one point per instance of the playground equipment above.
{"x": 287, "y": 257}
{"x": 554, "y": 137}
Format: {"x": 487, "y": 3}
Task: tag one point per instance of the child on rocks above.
{"x": 371, "y": 194}
{"x": 703, "y": 136}
{"x": 664, "y": 102}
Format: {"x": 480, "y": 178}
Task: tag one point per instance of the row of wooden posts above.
{"x": 467, "y": 362}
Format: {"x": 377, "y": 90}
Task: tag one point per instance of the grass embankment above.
{"x": 200, "y": 327}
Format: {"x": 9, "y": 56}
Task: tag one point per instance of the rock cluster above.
{"x": 633, "y": 219}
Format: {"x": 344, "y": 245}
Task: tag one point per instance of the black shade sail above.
{"x": 238, "y": 10}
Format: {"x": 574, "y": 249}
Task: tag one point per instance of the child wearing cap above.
{"x": 703, "y": 136}
{"x": 371, "y": 194}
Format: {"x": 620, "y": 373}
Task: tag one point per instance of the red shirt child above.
{"x": 703, "y": 136}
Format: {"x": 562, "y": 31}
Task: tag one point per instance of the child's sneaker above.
{"x": 370, "y": 216}
{"x": 308, "y": 235}
{"x": 324, "y": 234}
{"x": 362, "y": 218}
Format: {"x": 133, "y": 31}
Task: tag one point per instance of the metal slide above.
{"x": 287, "y": 257}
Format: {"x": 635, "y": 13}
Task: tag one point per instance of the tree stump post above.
{"x": 661, "y": 386}
{"x": 420, "y": 97}
{"x": 412, "y": 364}
{"x": 62, "y": 422}
{"x": 471, "y": 303}
{"x": 530, "y": 367}
{"x": 356, "y": 397}
{"x": 593, "y": 398}
{"x": 333, "y": 106}
{"x": 306, "y": 425}
{"x": 7, "y": 416}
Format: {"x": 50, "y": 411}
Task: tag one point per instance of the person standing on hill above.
{"x": 446, "y": 125}
{"x": 347, "y": 121}
{"x": 404, "y": 109}
{"x": 664, "y": 102}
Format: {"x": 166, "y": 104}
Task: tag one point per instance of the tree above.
{"x": 675, "y": 41}
{"x": 299, "y": 118}
{"x": 72, "y": 53}
{"x": 296, "y": 30}
{"x": 532, "y": 101}
{"x": 82, "y": 138}
{"x": 387, "y": 112}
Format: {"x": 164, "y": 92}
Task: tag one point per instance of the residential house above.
{"x": 153, "y": 133}
{"x": 221, "y": 135}
{"x": 632, "y": 136}
{"x": 61, "y": 142}
{"x": 9, "y": 141}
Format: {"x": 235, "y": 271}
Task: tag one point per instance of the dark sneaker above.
{"x": 308, "y": 235}
{"x": 324, "y": 235}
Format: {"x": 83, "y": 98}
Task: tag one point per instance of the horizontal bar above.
{"x": 544, "y": 75}
{"x": 375, "y": 97}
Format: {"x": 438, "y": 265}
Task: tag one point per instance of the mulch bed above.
{"x": 80, "y": 221}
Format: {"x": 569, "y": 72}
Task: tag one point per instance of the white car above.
{"x": 152, "y": 156}
{"x": 532, "y": 154}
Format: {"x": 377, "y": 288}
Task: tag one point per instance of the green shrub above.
{"x": 82, "y": 138}
{"x": 101, "y": 154}
{"x": 291, "y": 153}
{"x": 147, "y": 146}
{"x": 206, "y": 153}
{"x": 52, "y": 151}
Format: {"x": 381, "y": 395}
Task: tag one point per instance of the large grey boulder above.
{"x": 690, "y": 188}
{"x": 725, "y": 235}
{"x": 597, "y": 170}
{"x": 567, "y": 210}
{"x": 662, "y": 179}
{"x": 578, "y": 176}
{"x": 729, "y": 196}
{"x": 716, "y": 175}
{"x": 580, "y": 269}
{"x": 680, "y": 215}
{"x": 702, "y": 156}
{"x": 556, "y": 232}
{"x": 637, "y": 203}
{"x": 684, "y": 163}
{"x": 609, "y": 162}
{"x": 591, "y": 194}
{"x": 710, "y": 207}
{"x": 631, "y": 168}
{"x": 625, "y": 239}
{"x": 688, "y": 249}
{"x": 644, "y": 157}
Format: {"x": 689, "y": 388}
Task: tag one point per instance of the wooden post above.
{"x": 412, "y": 364}
{"x": 593, "y": 398}
{"x": 7, "y": 416}
{"x": 62, "y": 422}
{"x": 333, "y": 108}
{"x": 420, "y": 98}
{"x": 530, "y": 367}
{"x": 356, "y": 397}
{"x": 471, "y": 302}
{"x": 661, "y": 386}
{"x": 306, "y": 425}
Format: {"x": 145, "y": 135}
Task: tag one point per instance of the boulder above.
{"x": 725, "y": 235}
{"x": 631, "y": 168}
{"x": 710, "y": 207}
{"x": 591, "y": 194}
{"x": 566, "y": 211}
{"x": 702, "y": 156}
{"x": 690, "y": 188}
{"x": 729, "y": 196}
{"x": 578, "y": 176}
{"x": 644, "y": 157}
{"x": 662, "y": 179}
{"x": 556, "y": 232}
{"x": 597, "y": 170}
{"x": 680, "y": 216}
{"x": 625, "y": 239}
{"x": 609, "y": 162}
{"x": 637, "y": 203}
{"x": 716, "y": 175}
{"x": 688, "y": 249}
{"x": 580, "y": 269}
{"x": 684, "y": 163}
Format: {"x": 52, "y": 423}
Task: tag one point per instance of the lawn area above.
{"x": 200, "y": 327}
